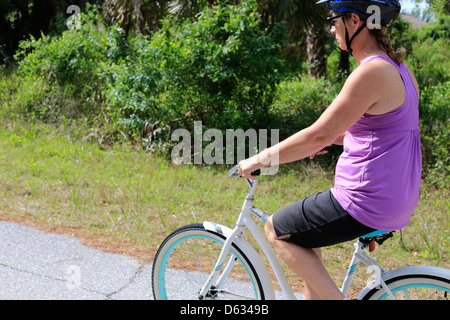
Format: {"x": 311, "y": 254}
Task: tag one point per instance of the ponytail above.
{"x": 386, "y": 44}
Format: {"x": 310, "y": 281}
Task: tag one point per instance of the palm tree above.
{"x": 138, "y": 15}
{"x": 144, "y": 16}
{"x": 315, "y": 47}
{"x": 304, "y": 19}
{"x": 188, "y": 8}
{"x": 125, "y": 13}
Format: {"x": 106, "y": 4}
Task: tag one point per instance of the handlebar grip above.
{"x": 256, "y": 172}
{"x": 234, "y": 172}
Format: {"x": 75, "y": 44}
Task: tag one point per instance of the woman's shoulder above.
{"x": 376, "y": 66}
{"x": 372, "y": 75}
{"x": 380, "y": 80}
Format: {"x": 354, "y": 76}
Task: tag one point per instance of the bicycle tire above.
{"x": 178, "y": 273}
{"x": 417, "y": 286}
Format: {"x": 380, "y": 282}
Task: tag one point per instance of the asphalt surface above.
{"x": 45, "y": 266}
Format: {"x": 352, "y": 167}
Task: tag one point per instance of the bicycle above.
{"x": 212, "y": 261}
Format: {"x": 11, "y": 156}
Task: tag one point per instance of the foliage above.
{"x": 435, "y": 132}
{"x": 127, "y": 199}
{"x": 430, "y": 60}
{"x": 220, "y": 69}
{"x": 301, "y": 101}
{"x": 400, "y": 34}
{"x": 62, "y": 76}
{"x": 430, "y": 63}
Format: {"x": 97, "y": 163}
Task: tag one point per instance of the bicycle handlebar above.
{"x": 234, "y": 172}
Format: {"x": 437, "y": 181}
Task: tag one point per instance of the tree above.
{"x": 438, "y": 6}
{"x": 141, "y": 16}
{"x": 315, "y": 40}
{"x": 299, "y": 15}
{"x": 304, "y": 20}
{"x": 189, "y": 8}
{"x": 126, "y": 13}
{"x": 22, "y": 18}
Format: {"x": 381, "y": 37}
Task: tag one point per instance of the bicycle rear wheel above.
{"x": 187, "y": 257}
{"x": 413, "y": 287}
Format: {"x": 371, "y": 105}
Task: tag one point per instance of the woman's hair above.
{"x": 386, "y": 44}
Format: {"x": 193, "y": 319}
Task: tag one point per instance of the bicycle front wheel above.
{"x": 187, "y": 257}
{"x": 413, "y": 287}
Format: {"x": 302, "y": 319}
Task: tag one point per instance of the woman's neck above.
{"x": 363, "y": 50}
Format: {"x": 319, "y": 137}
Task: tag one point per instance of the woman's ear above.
{"x": 356, "y": 21}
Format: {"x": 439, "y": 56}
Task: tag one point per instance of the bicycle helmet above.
{"x": 389, "y": 11}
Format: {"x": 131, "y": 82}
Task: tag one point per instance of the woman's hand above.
{"x": 339, "y": 141}
{"x": 247, "y": 166}
{"x": 323, "y": 151}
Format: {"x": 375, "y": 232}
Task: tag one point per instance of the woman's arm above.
{"x": 340, "y": 139}
{"x": 356, "y": 97}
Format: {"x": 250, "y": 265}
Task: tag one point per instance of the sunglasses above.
{"x": 332, "y": 19}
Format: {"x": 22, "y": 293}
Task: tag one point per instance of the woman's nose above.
{"x": 333, "y": 30}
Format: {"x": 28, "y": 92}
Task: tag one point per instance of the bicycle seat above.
{"x": 378, "y": 236}
{"x": 375, "y": 233}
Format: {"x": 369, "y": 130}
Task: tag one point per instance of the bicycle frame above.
{"x": 245, "y": 220}
{"x": 375, "y": 267}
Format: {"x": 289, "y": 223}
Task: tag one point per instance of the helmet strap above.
{"x": 349, "y": 41}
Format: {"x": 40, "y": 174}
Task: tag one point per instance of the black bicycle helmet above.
{"x": 389, "y": 11}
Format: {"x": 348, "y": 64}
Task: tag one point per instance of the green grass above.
{"x": 125, "y": 200}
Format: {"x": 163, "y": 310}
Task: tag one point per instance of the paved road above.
{"x": 36, "y": 265}
{"x": 46, "y": 266}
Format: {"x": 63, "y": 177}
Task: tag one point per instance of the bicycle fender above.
{"x": 251, "y": 253}
{"x": 413, "y": 270}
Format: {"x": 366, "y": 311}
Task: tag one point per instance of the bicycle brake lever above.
{"x": 233, "y": 172}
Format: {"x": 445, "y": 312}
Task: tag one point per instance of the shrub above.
{"x": 430, "y": 62}
{"x": 133, "y": 87}
{"x": 430, "y": 58}
{"x": 300, "y": 102}
{"x": 63, "y": 76}
{"x": 220, "y": 68}
{"x": 435, "y": 132}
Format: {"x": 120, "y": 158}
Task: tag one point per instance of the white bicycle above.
{"x": 212, "y": 261}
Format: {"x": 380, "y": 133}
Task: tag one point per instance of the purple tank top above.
{"x": 378, "y": 175}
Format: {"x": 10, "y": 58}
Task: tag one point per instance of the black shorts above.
{"x": 317, "y": 221}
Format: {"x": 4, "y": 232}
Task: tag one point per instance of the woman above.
{"x": 377, "y": 180}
